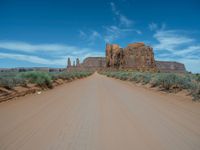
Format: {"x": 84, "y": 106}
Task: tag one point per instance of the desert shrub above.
{"x": 42, "y": 79}
{"x": 196, "y": 92}
{"x": 167, "y": 81}
{"x": 141, "y": 77}
{"x": 11, "y": 82}
{"x": 121, "y": 75}
{"x": 7, "y": 83}
{"x": 171, "y": 80}
{"x": 197, "y": 77}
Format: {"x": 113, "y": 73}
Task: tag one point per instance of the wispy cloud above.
{"x": 82, "y": 34}
{"x": 57, "y": 53}
{"x": 114, "y": 32}
{"x": 90, "y": 37}
{"x": 33, "y": 59}
{"x": 171, "y": 39}
{"x": 27, "y": 47}
{"x": 177, "y": 45}
{"x": 110, "y": 33}
{"x": 153, "y": 26}
{"x": 55, "y": 49}
{"x": 125, "y": 21}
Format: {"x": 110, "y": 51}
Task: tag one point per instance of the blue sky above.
{"x": 45, "y": 33}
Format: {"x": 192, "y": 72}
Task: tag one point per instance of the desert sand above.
{"x": 100, "y": 113}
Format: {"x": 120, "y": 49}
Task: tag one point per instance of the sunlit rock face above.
{"x": 168, "y": 66}
{"x": 94, "y": 62}
{"x": 135, "y": 56}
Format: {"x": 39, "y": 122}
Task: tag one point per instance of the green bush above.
{"x": 7, "y": 83}
{"x": 171, "y": 80}
{"x": 10, "y": 83}
{"x": 42, "y": 79}
{"x": 141, "y": 77}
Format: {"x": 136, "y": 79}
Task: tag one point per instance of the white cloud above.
{"x": 189, "y": 50}
{"x": 27, "y": 47}
{"x": 124, "y": 21}
{"x": 61, "y": 61}
{"x": 53, "y": 49}
{"x": 90, "y": 37}
{"x": 93, "y": 37}
{"x": 82, "y": 34}
{"x": 153, "y": 26}
{"x": 170, "y": 40}
{"x": 33, "y": 59}
{"x": 57, "y": 54}
{"x": 112, "y": 33}
{"x": 138, "y": 31}
{"x": 175, "y": 45}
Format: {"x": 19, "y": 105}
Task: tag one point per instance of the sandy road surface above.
{"x": 99, "y": 113}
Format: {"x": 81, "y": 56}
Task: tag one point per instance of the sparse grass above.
{"x": 9, "y": 80}
{"x": 170, "y": 82}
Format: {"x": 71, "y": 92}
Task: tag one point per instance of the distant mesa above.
{"x": 136, "y": 56}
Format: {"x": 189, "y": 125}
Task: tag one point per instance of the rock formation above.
{"x": 74, "y": 64}
{"x": 136, "y": 56}
{"x": 77, "y": 62}
{"x": 94, "y": 62}
{"x": 113, "y": 54}
{"x": 68, "y": 62}
{"x": 168, "y": 66}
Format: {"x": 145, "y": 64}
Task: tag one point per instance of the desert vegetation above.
{"x": 9, "y": 80}
{"x": 169, "y": 82}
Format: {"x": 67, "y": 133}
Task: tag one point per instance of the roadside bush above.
{"x": 169, "y": 81}
{"x": 197, "y": 77}
{"x": 7, "y": 83}
{"x": 42, "y": 79}
{"x": 10, "y": 83}
{"x": 141, "y": 77}
{"x": 9, "y": 80}
{"x": 121, "y": 75}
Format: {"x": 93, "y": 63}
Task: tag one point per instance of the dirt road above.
{"x": 100, "y": 113}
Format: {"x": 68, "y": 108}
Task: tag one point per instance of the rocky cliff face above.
{"x": 167, "y": 66}
{"x": 94, "y": 62}
{"x": 135, "y": 56}
{"x": 113, "y": 55}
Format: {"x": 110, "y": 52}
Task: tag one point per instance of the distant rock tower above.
{"x": 77, "y": 62}
{"x": 68, "y": 63}
{"x": 74, "y": 64}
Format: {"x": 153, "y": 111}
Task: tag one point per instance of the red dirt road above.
{"x": 100, "y": 113}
